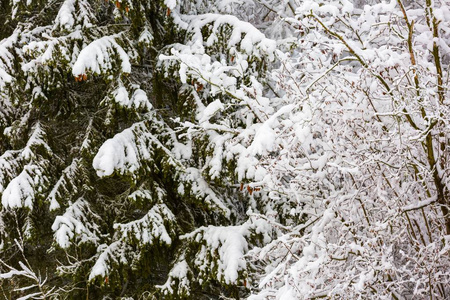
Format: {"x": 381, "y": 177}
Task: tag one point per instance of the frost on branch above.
{"x": 37, "y": 287}
{"x": 351, "y": 157}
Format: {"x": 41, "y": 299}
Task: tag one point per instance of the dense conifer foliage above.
{"x": 224, "y": 149}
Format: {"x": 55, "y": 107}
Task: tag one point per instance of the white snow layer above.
{"x": 74, "y": 223}
{"x": 22, "y": 189}
{"x": 138, "y": 100}
{"x": 231, "y": 245}
{"x": 65, "y": 16}
{"x": 97, "y": 57}
{"x": 74, "y": 14}
{"x": 123, "y": 152}
{"x": 20, "y": 192}
{"x": 149, "y": 228}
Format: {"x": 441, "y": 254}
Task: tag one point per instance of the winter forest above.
{"x": 224, "y": 149}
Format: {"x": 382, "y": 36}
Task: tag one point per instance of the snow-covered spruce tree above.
{"x": 113, "y": 183}
{"x": 199, "y": 149}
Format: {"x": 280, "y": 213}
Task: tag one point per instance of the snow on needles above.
{"x": 97, "y": 57}
{"x": 252, "y": 42}
{"x": 75, "y": 223}
{"x": 74, "y": 13}
{"x": 5, "y": 65}
{"x": 230, "y": 244}
{"x": 22, "y": 190}
{"x": 151, "y": 227}
{"x": 123, "y": 152}
{"x": 138, "y": 100}
{"x": 155, "y": 226}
